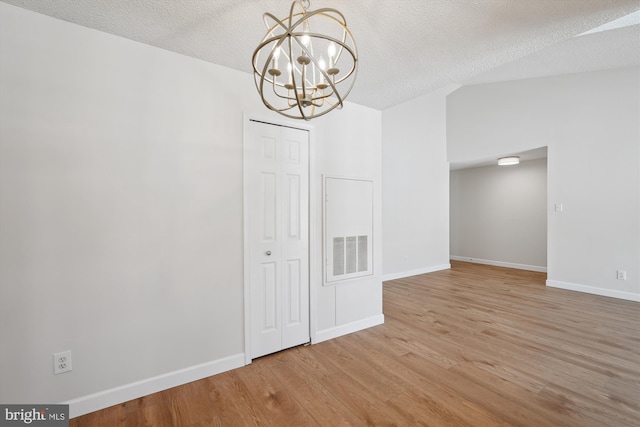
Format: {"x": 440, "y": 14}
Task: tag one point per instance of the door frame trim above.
{"x": 314, "y": 191}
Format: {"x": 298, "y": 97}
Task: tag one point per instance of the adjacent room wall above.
{"x": 589, "y": 122}
{"x": 121, "y": 214}
{"x": 415, "y": 190}
{"x": 499, "y": 215}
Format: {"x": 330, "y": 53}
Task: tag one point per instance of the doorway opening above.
{"x": 498, "y": 214}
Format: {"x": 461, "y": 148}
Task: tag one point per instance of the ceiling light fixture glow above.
{"x": 320, "y": 62}
{"x": 507, "y": 161}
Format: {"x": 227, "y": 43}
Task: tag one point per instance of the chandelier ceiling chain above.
{"x": 320, "y": 62}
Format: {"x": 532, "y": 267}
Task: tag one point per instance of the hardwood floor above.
{"x": 472, "y": 346}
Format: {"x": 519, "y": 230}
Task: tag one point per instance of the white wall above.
{"x": 415, "y": 188}
{"x": 589, "y": 122}
{"x": 499, "y": 215}
{"x": 121, "y": 213}
{"x": 351, "y": 147}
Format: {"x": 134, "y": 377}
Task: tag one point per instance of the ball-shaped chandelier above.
{"x": 306, "y": 64}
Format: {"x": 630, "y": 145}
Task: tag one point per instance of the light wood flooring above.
{"x": 471, "y": 346}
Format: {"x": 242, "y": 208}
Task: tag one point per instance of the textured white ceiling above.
{"x": 591, "y": 52}
{"x": 407, "y": 47}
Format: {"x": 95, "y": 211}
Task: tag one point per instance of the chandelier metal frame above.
{"x": 308, "y": 87}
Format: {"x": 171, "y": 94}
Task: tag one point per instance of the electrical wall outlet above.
{"x": 62, "y": 362}
{"x": 622, "y": 275}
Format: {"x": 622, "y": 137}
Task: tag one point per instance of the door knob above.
{"x": 268, "y": 253}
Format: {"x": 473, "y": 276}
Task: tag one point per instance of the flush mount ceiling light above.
{"x": 307, "y": 62}
{"x": 507, "y": 161}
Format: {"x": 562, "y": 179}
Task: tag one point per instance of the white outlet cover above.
{"x": 62, "y": 362}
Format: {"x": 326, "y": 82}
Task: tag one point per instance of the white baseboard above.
{"x": 500, "y": 263}
{"x": 348, "y": 328}
{"x": 115, "y": 396}
{"x": 403, "y": 274}
{"x": 593, "y": 290}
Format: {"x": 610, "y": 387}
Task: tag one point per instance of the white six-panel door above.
{"x": 277, "y": 197}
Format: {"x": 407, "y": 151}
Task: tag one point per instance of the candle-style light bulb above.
{"x": 323, "y": 68}
{"x": 333, "y": 70}
{"x": 305, "y": 39}
{"x": 274, "y": 64}
{"x": 331, "y": 50}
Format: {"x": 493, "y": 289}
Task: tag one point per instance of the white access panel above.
{"x": 348, "y": 228}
